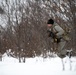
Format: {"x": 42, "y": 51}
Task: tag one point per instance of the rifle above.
{"x": 53, "y": 36}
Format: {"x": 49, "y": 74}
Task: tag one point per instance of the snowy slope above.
{"x": 37, "y": 66}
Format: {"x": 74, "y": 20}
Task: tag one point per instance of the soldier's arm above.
{"x": 59, "y": 30}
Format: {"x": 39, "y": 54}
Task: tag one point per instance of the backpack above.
{"x": 66, "y": 35}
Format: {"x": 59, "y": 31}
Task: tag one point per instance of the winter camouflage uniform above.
{"x": 59, "y": 32}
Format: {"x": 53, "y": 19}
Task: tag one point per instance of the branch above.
{"x": 1, "y": 11}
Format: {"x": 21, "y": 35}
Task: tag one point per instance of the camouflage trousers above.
{"x": 61, "y": 47}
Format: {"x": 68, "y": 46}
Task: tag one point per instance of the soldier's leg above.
{"x": 61, "y": 46}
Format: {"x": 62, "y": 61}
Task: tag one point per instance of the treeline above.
{"x": 23, "y": 26}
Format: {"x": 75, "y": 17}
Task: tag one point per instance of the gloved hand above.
{"x": 51, "y": 34}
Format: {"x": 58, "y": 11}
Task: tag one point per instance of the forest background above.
{"x": 23, "y": 25}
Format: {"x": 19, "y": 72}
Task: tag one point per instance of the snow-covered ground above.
{"x": 37, "y": 66}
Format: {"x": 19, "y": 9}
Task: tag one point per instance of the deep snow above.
{"x": 37, "y": 66}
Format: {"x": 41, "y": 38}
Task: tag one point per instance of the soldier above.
{"x": 57, "y": 34}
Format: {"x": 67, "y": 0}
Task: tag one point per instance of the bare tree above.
{"x": 26, "y": 27}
